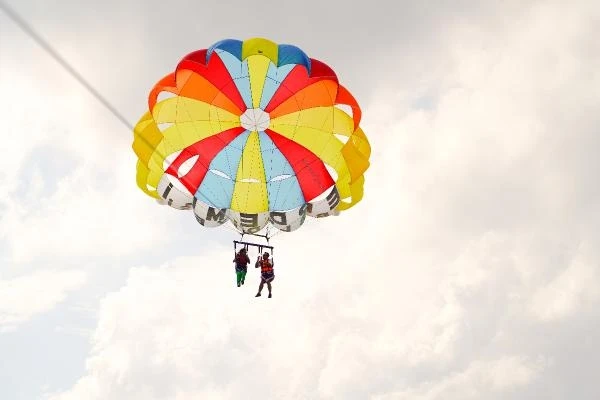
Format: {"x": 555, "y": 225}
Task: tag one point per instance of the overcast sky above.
{"x": 470, "y": 270}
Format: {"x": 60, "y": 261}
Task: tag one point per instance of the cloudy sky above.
{"x": 469, "y": 271}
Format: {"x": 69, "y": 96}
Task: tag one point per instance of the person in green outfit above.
{"x": 241, "y": 261}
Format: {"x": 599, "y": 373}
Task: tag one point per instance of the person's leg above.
{"x": 239, "y": 277}
{"x": 244, "y": 271}
{"x": 269, "y": 287}
{"x": 260, "y": 287}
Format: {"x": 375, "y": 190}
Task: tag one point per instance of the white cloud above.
{"x": 29, "y": 295}
{"x": 72, "y": 188}
{"x": 574, "y": 288}
{"x": 470, "y": 223}
{"x": 478, "y": 380}
{"x": 477, "y": 205}
{"x": 165, "y": 323}
{"x": 85, "y": 217}
{"x": 67, "y": 183}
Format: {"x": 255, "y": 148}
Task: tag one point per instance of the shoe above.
{"x": 257, "y": 295}
{"x": 270, "y": 295}
{"x": 238, "y": 284}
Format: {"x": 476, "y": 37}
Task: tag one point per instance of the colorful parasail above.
{"x": 255, "y": 133}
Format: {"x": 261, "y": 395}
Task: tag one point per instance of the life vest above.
{"x": 265, "y": 266}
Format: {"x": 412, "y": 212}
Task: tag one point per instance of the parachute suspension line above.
{"x": 64, "y": 63}
{"x": 267, "y": 237}
{"x": 260, "y": 247}
{"x": 277, "y": 232}
{"x": 230, "y": 227}
{"x": 246, "y": 245}
{"x": 235, "y": 243}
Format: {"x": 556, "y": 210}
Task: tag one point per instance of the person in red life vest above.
{"x": 241, "y": 261}
{"x": 266, "y": 273}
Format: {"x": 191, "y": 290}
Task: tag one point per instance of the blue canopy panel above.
{"x": 216, "y": 190}
{"x": 284, "y": 193}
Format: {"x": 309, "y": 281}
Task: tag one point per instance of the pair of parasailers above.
{"x": 266, "y": 269}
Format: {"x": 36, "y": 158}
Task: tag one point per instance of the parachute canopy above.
{"x": 253, "y": 132}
